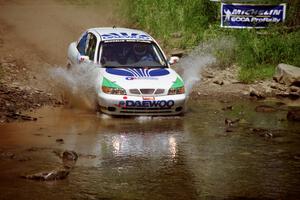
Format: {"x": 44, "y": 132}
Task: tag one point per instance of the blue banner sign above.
{"x": 250, "y": 15}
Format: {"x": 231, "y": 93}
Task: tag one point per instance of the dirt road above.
{"x": 39, "y": 32}
{"x": 34, "y": 37}
{"x": 45, "y": 28}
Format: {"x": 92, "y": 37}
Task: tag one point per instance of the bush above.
{"x": 186, "y": 19}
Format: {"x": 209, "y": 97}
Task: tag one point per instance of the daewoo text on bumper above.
{"x": 136, "y": 105}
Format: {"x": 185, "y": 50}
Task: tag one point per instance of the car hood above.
{"x": 131, "y": 78}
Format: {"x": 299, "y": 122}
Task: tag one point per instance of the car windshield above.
{"x": 131, "y": 54}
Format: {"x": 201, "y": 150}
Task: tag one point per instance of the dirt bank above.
{"x": 224, "y": 83}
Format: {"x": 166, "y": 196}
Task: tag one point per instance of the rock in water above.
{"x": 294, "y": 115}
{"x": 57, "y": 174}
{"x": 265, "y": 108}
{"x": 69, "y": 159}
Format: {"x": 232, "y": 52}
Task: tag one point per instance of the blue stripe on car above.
{"x": 137, "y": 72}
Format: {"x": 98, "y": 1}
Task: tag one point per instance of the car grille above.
{"x": 159, "y": 91}
{"x": 134, "y": 91}
{"x": 149, "y": 91}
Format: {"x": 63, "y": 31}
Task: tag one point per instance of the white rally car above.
{"x": 135, "y": 76}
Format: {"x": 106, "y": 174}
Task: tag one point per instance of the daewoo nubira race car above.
{"x": 135, "y": 76}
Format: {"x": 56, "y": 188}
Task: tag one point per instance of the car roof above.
{"x": 116, "y": 33}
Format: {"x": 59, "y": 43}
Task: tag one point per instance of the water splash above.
{"x": 201, "y": 57}
{"x": 77, "y": 85}
{"x": 193, "y": 65}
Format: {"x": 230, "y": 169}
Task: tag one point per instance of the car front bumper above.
{"x": 137, "y": 105}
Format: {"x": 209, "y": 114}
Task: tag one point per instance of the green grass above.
{"x": 166, "y": 18}
{"x": 260, "y": 51}
{"x": 186, "y": 23}
{"x": 260, "y": 72}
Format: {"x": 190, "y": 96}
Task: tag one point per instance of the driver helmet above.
{"x": 139, "y": 49}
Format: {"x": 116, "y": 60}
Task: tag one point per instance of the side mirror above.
{"x": 83, "y": 59}
{"x": 173, "y": 60}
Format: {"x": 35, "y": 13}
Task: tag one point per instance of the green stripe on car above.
{"x": 108, "y": 83}
{"x": 178, "y": 83}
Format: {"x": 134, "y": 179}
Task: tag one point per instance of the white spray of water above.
{"x": 78, "y": 84}
{"x": 192, "y": 66}
{"x": 103, "y": 116}
{"x": 200, "y": 58}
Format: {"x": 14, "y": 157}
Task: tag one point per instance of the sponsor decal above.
{"x": 122, "y": 35}
{"x": 140, "y": 78}
{"x": 146, "y": 104}
{"x": 251, "y": 16}
{"x": 130, "y": 78}
{"x": 129, "y": 73}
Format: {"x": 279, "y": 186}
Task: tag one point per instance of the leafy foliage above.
{"x": 185, "y": 23}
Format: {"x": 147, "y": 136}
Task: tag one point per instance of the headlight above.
{"x": 112, "y": 90}
{"x": 179, "y": 90}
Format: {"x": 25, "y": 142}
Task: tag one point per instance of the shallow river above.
{"x": 189, "y": 157}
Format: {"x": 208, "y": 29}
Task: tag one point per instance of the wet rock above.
{"x": 278, "y": 86}
{"x": 69, "y": 159}
{"x": 229, "y": 122}
{"x": 294, "y": 92}
{"x": 255, "y": 93}
{"x": 296, "y": 157}
{"x": 60, "y": 140}
{"x": 268, "y": 133}
{"x": 15, "y": 98}
{"x": 282, "y": 94}
{"x": 287, "y": 74}
{"x": 294, "y": 95}
{"x": 16, "y": 116}
{"x": 295, "y": 89}
{"x": 218, "y": 81}
{"x": 57, "y": 174}
{"x": 262, "y": 132}
{"x": 228, "y": 129}
{"x": 265, "y": 108}
{"x": 293, "y": 115}
{"x": 7, "y": 155}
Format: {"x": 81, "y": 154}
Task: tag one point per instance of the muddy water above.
{"x": 189, "y": 157}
